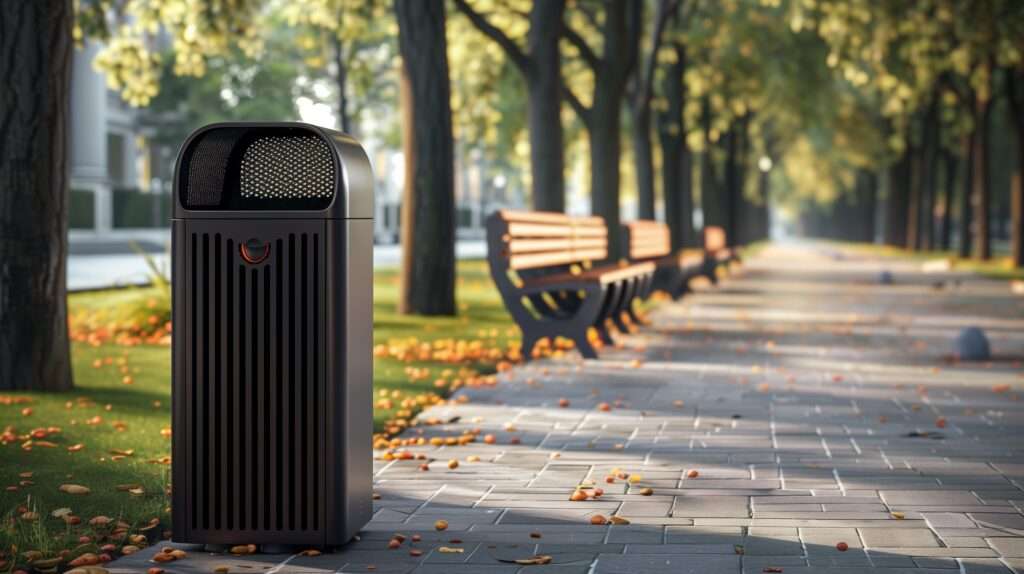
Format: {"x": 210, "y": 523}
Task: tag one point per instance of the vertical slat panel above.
{"x": 305, "y": 407}
{"x": 267, "y": 381}
{"x": 206, "y": 385}
{"x": 256, "y": 415}
{"x": 193, "y": 428}
{"x": 229, "y": 387}
{"x": 314, "y": 357}
{"x": 308, "y": 416}
{"x": 244, "y": 401}
{"x": 219, "y": 416}
{"x": 255, "y": 360}
{"x": 275, "y": 423}
{"x": 289, "y": 401}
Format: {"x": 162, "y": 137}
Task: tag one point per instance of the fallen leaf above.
{"x": 74, "y": 489}
{"x": 450, "y": 550}
{"x": 537, "y": 560}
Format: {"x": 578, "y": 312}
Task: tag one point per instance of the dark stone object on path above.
{"x": 885, "y": 277}
{"x": 972, "y": 345}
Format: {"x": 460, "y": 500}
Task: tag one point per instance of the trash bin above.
{"x": 272, "y": 238}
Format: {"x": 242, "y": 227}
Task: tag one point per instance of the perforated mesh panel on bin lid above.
{"x": 271, "y": 170}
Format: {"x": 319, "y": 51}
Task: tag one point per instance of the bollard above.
{"x": 272, "y": 263}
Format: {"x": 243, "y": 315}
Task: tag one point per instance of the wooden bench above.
{"x": 540, "y": 262}
{"x": 716, "y": 251}
{"x": 648, "y": 240}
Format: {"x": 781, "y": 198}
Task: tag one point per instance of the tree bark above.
{"x": 541, "y": 69}
{"x": 341, "y": 82}
{"x": 1015, "y": 95}
{"x": 428, "y": 270}
{"x": 641, "y": 108}
{"x": 35, "y": 63}
{"x": 929, "y": 169}
{"x": 677, "y": 161}
{"x": 602, "y": 119}
{"x": 981, "y": 188}
{"x": 867, "y": 198}
{"x": 966, "y": 217}
{"x": 912, "y": 234}
{"x": 897, "y": 203}
{"x": 710, "y": 198}
{"x": 1017, "y": 219}
{"x": 949, "y": 189}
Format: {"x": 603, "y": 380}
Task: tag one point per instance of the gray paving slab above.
{"x": 758, "y": 424}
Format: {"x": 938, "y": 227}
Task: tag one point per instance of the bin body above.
{"x": 272, "y": 246}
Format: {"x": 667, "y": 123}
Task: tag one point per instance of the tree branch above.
{"x": 666, "y": 10}
{"x": 588, "y": 55}
{"x": 512, "y": 50}
{"x": 581, "y": 111}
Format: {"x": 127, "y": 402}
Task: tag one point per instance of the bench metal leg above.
{"x": 584, "y": 347}
{"x": 529, "y": 342}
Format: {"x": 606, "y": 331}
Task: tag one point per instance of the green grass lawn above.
{"x": 123, "y": 428}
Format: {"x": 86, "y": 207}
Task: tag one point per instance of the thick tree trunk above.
{"x": 35, "y": 64}
{"x": 981, "y": 188}
{"x": 929, "y": 169}
{"x": 644, "y": 157}
{"x": 677, "y": 161}
{"x": 966, "y": 217}
{"x": 1015, "y": 95}
{"x": 544, "y": 107}
{"x": 541, "y": 68}
{"x": 710, "y": 198}
{"x": 913, "y": 235}
{"x": 428, "y": 270}
{"x": 948, "y": 190}
{"x": 733, "y": 204}
{"x": 897, "y": 203}
{"x": 867, "y": 198}
{"x": 1017, "y": 219}
{"x": 609, "y": 92}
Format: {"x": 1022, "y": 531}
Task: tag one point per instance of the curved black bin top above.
{"x": 267, "y": 170}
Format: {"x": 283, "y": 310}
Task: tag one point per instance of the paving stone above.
{"x": 897, "y": 537}
{"x": 1008, "y": 547}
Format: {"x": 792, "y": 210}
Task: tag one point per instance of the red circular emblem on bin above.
{"x": 254, "y": 251}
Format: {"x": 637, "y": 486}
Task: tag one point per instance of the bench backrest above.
{"x": 535, "y": 239}
{"x": 714, "y": 239}
{"x": 647, "y": 239}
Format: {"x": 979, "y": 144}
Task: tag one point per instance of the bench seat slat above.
{"x": 603, "y": 275}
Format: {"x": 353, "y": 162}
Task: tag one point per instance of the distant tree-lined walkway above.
{"x": 803, "y": 417}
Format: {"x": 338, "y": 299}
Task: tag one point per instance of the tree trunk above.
{"x": 897, "y": 204}
{"x": 929, "y": 169}
{"x": 341, "y": 81}
{"x": 677, "y": 161}
{"x": 1015, "y": 95}
{"x": 35, "y": 63}
{"x": 428, "y": 264}
{"x": 949, "y": 187}
{"x": 541, "y": 69}
{"x": 644, "y": 157}
{"x": 733, "y": 200}
{"x": 1017, "y": 219}
{"x": 867, "y": 198}
{"x": 966, "y": 217}
{"x": 913, "y": 235}
{"x": 609, "y": 93}
{"x": 544, "y": 106}
{"x": 981, "y": 187}
{"x": 710, "y": 199}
